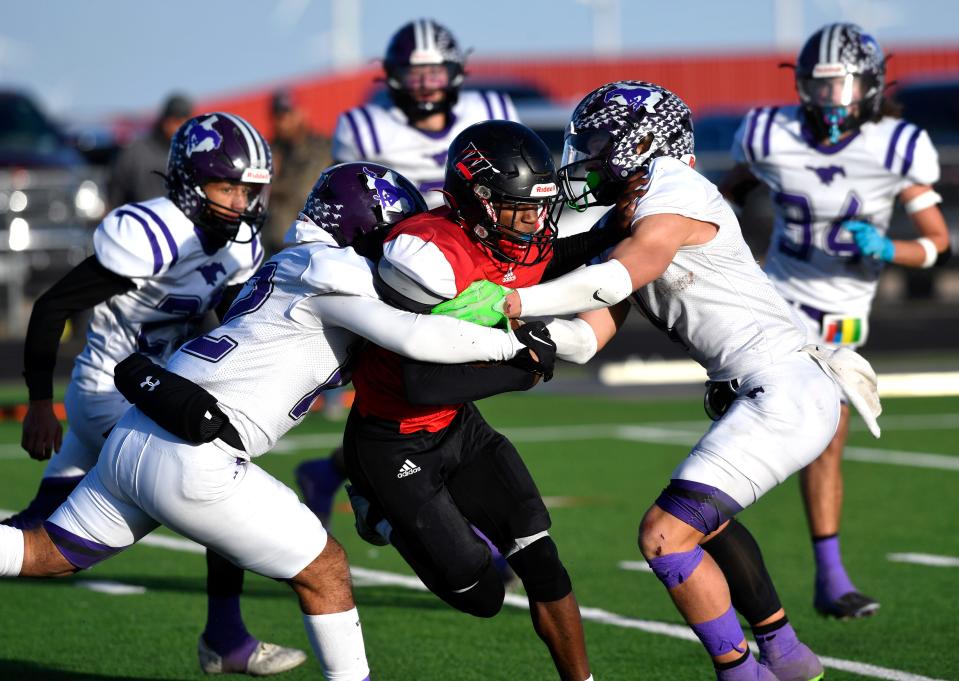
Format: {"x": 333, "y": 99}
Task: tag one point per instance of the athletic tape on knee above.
{"x": 700, "y": 506}
{"x": 11, "y": 551}
{"x": 544, "y": 577}
{"x": 675, "y": 568}
{"x": 721, "y": 635}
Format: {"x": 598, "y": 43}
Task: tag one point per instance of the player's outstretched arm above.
{"x": 429, "y": 338}
{"x": 86, "y": 285}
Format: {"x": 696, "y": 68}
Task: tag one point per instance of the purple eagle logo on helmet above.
{"x": 634, "y": 97}
{"x": 386, "y": 190}
{"x": 202, "y": 136}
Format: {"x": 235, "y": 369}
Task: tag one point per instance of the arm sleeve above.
{"x": 588, "y": 288}
{"x": 573, "y": 251}
{"x": 429, "y": 338}
{"x": 436, "y": 384}
{"x": 86, "y": 285}
{"x": 574, "y": 338}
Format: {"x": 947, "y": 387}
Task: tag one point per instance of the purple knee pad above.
{"x": 721, "y": 635}
{"x": 700, "y": 506}
{"x": 675, "y": 568}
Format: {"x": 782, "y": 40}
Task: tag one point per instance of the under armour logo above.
{"x": 755, "y": 391}
{"x": 150, "y": 384}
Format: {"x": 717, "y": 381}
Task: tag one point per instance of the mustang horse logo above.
{"x": 828, "y": 173}
{"x": 201, "y": 136}
{"x": 635, "y": 97}
{"x": 386, "y": 190}
{"x": 210, "y": 271}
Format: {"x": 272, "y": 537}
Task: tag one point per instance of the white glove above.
{"x": 856, "y": 377}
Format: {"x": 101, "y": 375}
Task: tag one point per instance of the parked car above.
{"x": 50, "y": 200}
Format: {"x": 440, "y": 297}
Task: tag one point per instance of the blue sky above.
{"x": 102, "y": 57}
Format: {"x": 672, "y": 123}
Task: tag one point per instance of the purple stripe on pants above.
{"x": 81, "y": 553}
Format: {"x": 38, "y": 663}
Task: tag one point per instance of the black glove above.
{"x": 535, "y": 336}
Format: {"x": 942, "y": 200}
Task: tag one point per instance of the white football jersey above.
{"x": 713, "y": 298}
{"x": 295, "y": 328}
{"x": 176, "y": 282}
{"x": 372, "y": 133}
{"x": 815, "y": 188}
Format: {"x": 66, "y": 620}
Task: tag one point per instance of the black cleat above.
{"x": 852, "y": 605}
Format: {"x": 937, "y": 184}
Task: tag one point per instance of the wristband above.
{"x": 932, "y": 253}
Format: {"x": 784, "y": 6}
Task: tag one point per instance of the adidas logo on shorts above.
{"x": 408, "y": 468}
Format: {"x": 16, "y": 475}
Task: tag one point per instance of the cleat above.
{"x": 265, "y": 660}
{"x": 319, "y": 482}
{"x": 751, "y": 671}
{"x": 852, "y": 605}
{"x": 799, "y": 664}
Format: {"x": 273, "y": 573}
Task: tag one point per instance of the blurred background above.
{"x": 79, "y": 82}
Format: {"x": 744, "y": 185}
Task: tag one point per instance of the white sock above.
{"x": 337, "y": 640}
{"x": 11, "y": 551}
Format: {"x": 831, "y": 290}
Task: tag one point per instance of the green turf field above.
{"x": 600, "y": 463}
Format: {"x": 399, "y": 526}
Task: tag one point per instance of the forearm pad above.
{"x": 176, "y": 404}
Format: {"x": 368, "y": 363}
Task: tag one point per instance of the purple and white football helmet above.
{"x": 352, "y": 200}
{"x": 615, "y": 131}
{"x": 219, "y": 146}
{"x": 418, "y": 43}
{"x": 840, "y": 77}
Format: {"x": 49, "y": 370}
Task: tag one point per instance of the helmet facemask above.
{"x": 505, "y": 227}
{"x": 225, "y": 223}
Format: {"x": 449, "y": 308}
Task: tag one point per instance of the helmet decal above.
{"x": 386, "y": 189}
{"x": 202, "y": 136}
{"x": 471, "y": 161}
{"x": 635, "y": 97}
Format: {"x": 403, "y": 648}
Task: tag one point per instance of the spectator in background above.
{"x": 299, "y": 156}
{"x": 135, "y": 175}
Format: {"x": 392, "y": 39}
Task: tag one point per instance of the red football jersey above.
{"x": 378, "y": 376}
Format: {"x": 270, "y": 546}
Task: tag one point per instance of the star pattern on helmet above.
{"x": 631, "y": 110}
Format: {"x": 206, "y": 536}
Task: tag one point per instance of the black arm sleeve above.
{"x": 572, "y": 251}
{"x": 86, "y": 285}
{"x": 226, "y": 300}
{"x": 435, "y": 384}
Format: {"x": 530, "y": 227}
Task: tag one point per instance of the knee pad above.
{"x": 700, "y": 506}
{"x": 482, "y": 599}
{"x": 538, "y": 565}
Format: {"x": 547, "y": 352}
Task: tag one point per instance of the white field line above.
{"x": 368, "y": 577}
{"x": 924, "y": 559}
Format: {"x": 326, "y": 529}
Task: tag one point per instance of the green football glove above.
{"x": 480, "y": 303}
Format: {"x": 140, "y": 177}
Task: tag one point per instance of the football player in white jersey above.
{"x": 158, "y": 267}
{"x": 424, "y": 71}
{"x": 291, "y": 333}
{"x": 688, "y": 269}
{"x": 835, "y": 165}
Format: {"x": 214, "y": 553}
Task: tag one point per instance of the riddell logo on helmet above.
{"x": 258, "y": 175}
{"x": 548, "y": 189}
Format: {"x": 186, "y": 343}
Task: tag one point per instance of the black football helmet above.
{"x": 420, "y": 43}
{"x": 219, "y": 146}
{"x": 840, "y": 77}
{"x": 494, "y": 165}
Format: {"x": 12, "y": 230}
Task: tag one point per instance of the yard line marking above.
{"x": 634, "y": 565}
{"x": 366, "y": 576}
{"x": 894, "y": 457}
{"x": 105, "y": 586}
{"x": 924, "y": 559}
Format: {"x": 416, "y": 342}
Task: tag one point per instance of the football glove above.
{"x": 372, "y": 529}
{"x": 535, "y": 336}
{"x": 480, "y": 303}
{"x": 869, "y": 241}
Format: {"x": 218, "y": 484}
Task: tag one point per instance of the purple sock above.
{"x": 831, "y": 578}
{"x": 51, "y": 493}
{"x": 226, "y": 633}
{"x": 721, "y": 635}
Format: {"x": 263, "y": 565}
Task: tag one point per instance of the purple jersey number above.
{"x": 210, "y": 348}
{"x": 797, "y": 239}
{"x": 182, "y": 308}
{"x": 255, "y": 292}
